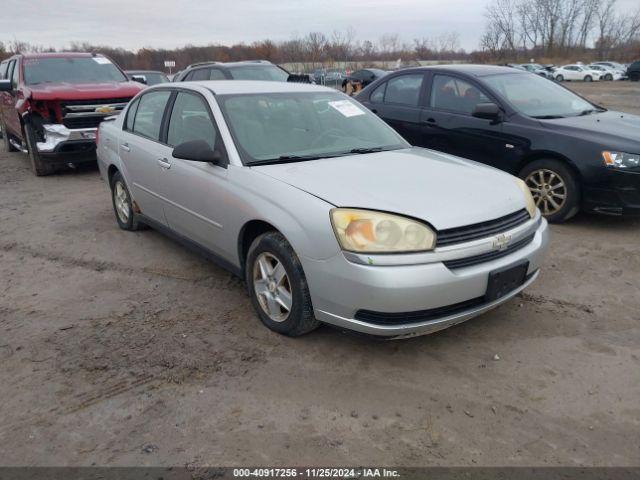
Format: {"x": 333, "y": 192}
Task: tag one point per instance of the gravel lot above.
{"x": 123, "y": 348}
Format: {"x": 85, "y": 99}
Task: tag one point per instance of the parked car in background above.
{"x": 148, "y": 77}
{"x": 248, "y": 70}
{"x": 607, "y": 73}
{"x": 576, "y": 73}
{"x": 633, "y": 72}
{"x": 52, "y": 103}
{"x": 572, "y": 153}
{"x": 359, "y": 79}
{"x": 537, "y": 69}
{"x": 325, "y": 211}
{"x": 612, "y": 65}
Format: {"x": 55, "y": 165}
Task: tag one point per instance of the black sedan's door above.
{"x": 447, "y": 123}
{"x": 397, "y": 102}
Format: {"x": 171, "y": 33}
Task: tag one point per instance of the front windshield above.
{"x": 538, "y": 97}
{"x": 259, "y": 72}
{"x": 271, "y": 127}
{"x": 71, "y": 70}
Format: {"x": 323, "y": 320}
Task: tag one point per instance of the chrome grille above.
{"x": 452, "y": 236}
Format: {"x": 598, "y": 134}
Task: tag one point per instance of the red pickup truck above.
{"x": 52, "y": 103}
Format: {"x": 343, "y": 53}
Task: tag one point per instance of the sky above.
{"x": 134, "y": 24}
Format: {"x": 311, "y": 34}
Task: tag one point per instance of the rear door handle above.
{"x": 164, "y": 163}
{"x": 125, "y": 147}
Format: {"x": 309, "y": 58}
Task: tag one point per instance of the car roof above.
{"x": 468, "y": 69}
{"x": 59, "y": 55}
{"x": 234, "y": 87}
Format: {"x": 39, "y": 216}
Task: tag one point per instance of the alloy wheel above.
{"x": 548, "y": 189}
{"x": 121, "y": 200}
{"x": 272, "y": 287}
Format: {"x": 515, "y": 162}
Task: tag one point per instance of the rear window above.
{"x": 259, "y": 72}
{"x": 71, "y": 70}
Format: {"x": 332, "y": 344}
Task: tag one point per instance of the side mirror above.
{"x": 488, "y": 111}
{"x": 197, "y": 151}
{"x": 6, "y": 86}
{"x": 139, "y": 78}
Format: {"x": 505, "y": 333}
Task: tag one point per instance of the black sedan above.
{"x": 574, "y": 155}
{"x": 148, "y": 77}
{"x": 364, "y": 77}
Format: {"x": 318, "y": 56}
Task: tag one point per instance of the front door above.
{"x": 10, "y": 99}
{"x": 194, "y": 193}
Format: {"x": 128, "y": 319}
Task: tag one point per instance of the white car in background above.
{"x": 608, "y": 73}
{"x": 576, "y": 72}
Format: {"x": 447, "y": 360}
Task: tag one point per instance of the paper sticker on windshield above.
{"x": 102, "y": 60}
{"x": 346, "y": 108}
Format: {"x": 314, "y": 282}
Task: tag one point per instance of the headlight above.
{"x": 377, "y": 232}
{"x": 621, "y": 159}
{"x": 531, "y": 204}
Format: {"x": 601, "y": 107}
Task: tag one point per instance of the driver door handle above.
{"x": 164, "y": 163}
{"x": 125, "y": 147}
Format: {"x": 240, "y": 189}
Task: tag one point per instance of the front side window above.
{"x": 537, "y": 97}
{"x": 455, "y": 95}
{"x": 15, "y": 75}
{"x": 297, "y": 125}
{"x": 190, "y": 120}
{"x": 259, "y": 72}
{"x": 3, "y": 70}
{"x": 148, "y": 119}
{"x": 71, "y": 70}
{"x": 404, "y": 89}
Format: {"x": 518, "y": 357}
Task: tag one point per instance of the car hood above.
{"x": 84, "y": 91}
{"x": 443, "y": 190}
{"x": 609, "y": 128}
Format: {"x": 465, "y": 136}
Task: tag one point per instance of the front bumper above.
{"x": 341, "y": 288}
{"x": 616, "y": 192}
{"x": 61, "y": 141}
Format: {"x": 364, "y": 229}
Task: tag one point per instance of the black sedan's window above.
{"x": 404, "y": 89}
{"x": 453, "y": 94}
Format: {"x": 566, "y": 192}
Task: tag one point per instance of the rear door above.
{"x": 449, "y": 126}
{"x": 397, "y": 102}
{"x": 140, "y": 150}
{"x": 194, "y": 193}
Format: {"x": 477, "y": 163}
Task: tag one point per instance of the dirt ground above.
{"x": 121, "y": 348}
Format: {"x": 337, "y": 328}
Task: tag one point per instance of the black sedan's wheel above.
{"x": 278, "y": 287}
{"x": 123, "y": 205}
{"x": 554, "y": 189}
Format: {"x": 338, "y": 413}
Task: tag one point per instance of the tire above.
{"x": 541, "y": 174}
{"x": 634, "y": 77}
{"x": 588, "y": 78}
{"x": 6, "y": 144}
{"x": 123, "y": 205}
{"x": 271, "y": 256}
{"x": 608, "y": 77}
{"x": 38, "y": 167}
{"x": 559, "y": 78}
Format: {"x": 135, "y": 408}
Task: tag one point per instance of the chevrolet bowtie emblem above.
{"x": 501, "y": 242}
{"x": 106, "y": 109}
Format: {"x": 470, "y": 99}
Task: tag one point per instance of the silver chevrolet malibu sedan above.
{"x": 325, "y": 211}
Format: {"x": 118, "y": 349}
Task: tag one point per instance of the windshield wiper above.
{"x": 366, "y": 150}
{"x": 589, "y": 111}
{"x": 291, "y": 158}
{"x": 548, "y": 117}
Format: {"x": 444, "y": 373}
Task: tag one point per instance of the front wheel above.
{"x": 38, "y": 167}
{"x": 278, "y": 286}
{"x": 559, "y": 78}
{"x": 554, "y": 187}
{"x": 588, "y": 78}
{"x": 608, "y": 77}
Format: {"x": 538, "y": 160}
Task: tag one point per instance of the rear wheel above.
{"x": 6, "y": 139}
{"x": 123, "y": 205}
{"x": 37, "y": 165}
{"x": 608, "y": 77}
{"x": 588, "y": 78}
{"x": 278, "y": 286}
{"x": 634, "y": 77}
{"x": 560, "y": 78}
{"x": 554, "y": 187}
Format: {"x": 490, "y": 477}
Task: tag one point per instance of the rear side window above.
{"x": 453, "y": 94}
{"x": 216, "y": 74}
{"x": 3, "y": 69}
{"x": 190, "y": 120}
{"x": 378, "y": 94}
{"x": 404, "y": 89}
{"x": 15, "y": 75}
{"x": 201, "y": 74}
{"x": 131, "y": 114}
{"x": 148, "y": 119}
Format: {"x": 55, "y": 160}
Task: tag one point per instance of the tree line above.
{"x": 561, "y": 28}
